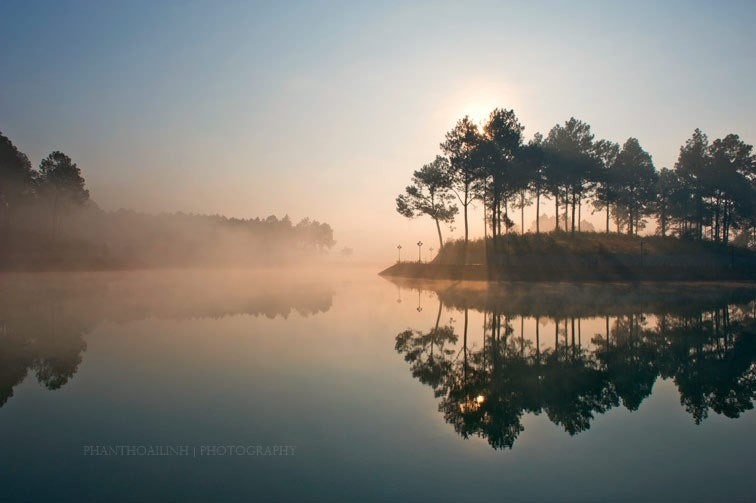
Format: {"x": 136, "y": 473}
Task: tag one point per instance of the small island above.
{"x": 586, "y": 256}
{"x": 696, "y": 222}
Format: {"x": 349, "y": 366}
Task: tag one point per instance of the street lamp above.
{"x": 431, "y": 254}
{"x": 419, "y": 251}
{"x": 399, "y": 249}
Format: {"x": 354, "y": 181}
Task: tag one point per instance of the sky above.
{"x": 324, "y": 109}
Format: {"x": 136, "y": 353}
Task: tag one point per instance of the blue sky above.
{"x": 324, "y": 109}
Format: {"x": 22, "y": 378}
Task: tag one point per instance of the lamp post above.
{"x": 431, "y": 254}
{"x": 399, "y": 250}
{"x": 419, "y": 251}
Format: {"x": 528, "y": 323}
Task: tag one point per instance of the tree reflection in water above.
{"x": 44, "y": 339}
{"x": 706, "y": 346}
{"x": 44, "y": 318}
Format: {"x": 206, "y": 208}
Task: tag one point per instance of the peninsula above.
{"x": 560, "y": 256}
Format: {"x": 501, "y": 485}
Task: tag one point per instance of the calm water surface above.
{"x": 374, "y": 390}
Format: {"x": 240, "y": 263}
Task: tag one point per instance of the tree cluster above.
{"x": 47, "y": 219}
{"x": 710, "y": 193}
{"x": 58, "y": 182}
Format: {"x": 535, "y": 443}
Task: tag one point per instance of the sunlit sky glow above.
{"x": 324, "y": 109}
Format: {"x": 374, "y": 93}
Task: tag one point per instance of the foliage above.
{"x": 17, "y": 179}
{"x": 710, "y": 194}
{"x": 462, "y": 147}
{"x": 60, "y": 178}
{"x": 55, "y": 224}
{"x": 430, "y": 194}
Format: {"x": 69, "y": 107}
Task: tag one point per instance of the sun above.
{"x": 476, "y": 99}
{"x": 478, "y": 111}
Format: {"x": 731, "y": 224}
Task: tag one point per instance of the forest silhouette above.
{"x": 49, "y": 221}
{"x": 709, "y": 195}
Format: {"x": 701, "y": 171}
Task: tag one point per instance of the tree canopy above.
{"x": 430, "y": 195}
{"x": 709, "y": 195}
{"x": 47, "y": 219}
{"x": 17, "y": 178}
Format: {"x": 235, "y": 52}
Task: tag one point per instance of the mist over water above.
{"x": 311, "y": 359}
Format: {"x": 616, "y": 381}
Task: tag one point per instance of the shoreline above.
{"x": 539, "y": 273}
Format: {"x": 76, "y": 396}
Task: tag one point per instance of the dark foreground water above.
{"x": 343, "y": 386}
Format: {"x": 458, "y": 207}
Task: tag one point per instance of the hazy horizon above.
{"x": 324, "y": 110}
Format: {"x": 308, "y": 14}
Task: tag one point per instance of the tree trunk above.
{"x": 498, "y": 223}
{"x": 572, "y": 324}
{"x": 438, "y": 229}
{"x": 466, "y": 228}
{"x": 566, "y": 210}
{"x": 663, "y": 221}
{"x": 573, "y": 213}
{"x": 566, "y": 343}
{"x": 538, "y": 211}
{"x": 607, "y": 332}
{"x": 716, "y": 221}
{"x": 699, "y": 217}
{"x": 726, "y": 222}
{"x": 464, "y": 341}
{"x": 485, "y": 220}
{"x": 467, "y": 202}
{"x": 506, "y": 216}
{"x": 607, "y": 218}
{"x": 725, "y": 227}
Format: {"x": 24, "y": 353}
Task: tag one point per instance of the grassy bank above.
{"x": 584, "y": 257}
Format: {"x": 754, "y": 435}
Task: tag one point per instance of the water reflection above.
{"x": 530, "y": 354}
{"x": 44, "y": 318}
{"x": 43, "y": 338}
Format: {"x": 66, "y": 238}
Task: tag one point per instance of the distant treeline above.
{"x": 709, "y": 195}
{"x": 47, "y": 220}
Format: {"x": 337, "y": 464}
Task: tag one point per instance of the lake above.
{"x": 340, "y": 385}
